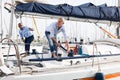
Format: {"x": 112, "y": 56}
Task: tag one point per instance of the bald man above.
{"x": 51, "y": 32}
{"x": 26, "y": 36}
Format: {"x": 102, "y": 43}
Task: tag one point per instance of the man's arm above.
{"x": 67, "y": 45}
{"x": 55, "y": 41}
{"x": 65, "y": 38}
{"x": 64, "y": 34}
{"x": 31, "y": 29}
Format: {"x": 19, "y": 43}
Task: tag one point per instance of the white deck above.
{"x": 55, "y": 70}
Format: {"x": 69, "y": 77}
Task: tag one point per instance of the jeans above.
{"x": 52, "y": 45}
{"x": 28, "y": 42}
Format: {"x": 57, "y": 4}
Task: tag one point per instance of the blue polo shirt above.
{"x": 25, "y": 32}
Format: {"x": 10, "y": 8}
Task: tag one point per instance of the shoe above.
{"x": 54, "y": 55}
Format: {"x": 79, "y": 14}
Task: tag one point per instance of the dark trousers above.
{"x": 28, "y": 42}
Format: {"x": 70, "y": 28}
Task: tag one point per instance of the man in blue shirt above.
{"x": 51, "y": 32}
{"x": 26, "y": 36}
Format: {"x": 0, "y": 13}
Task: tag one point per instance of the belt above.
{"x": 47, "y": 32}
{"x": 29, "y": 36}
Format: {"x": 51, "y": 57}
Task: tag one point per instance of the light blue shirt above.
{"x": 53, "y": 29}
{"x": 25, "y": 32}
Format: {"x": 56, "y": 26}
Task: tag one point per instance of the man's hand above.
{"x": 31, "y": 29}
{"x": 55, "y": 41}
{"x": 58, "y": 44}
{"x": 23, "y": 40}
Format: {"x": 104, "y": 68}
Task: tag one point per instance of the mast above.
{"x": 11, "y": 20}
{"x": 1, "y": 32}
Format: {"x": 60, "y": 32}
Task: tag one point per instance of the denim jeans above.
{"x": 52, "y": 45}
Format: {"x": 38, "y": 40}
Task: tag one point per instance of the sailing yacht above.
{"x": 95, "y": 60}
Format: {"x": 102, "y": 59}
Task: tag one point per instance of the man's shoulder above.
{"x": 53, "y": 23}
{"x": 25, "y": 27}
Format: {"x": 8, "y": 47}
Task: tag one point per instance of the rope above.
{"x": 107, "y": 32}
{"x": 36, "y": 26}
{"x": 99, "y": 69}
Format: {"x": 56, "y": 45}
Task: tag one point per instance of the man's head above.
{"x": 60, "y": 22}
{"x": 20, "y": 25}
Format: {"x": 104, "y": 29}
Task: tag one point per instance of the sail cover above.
{"x": 85, "y": 11}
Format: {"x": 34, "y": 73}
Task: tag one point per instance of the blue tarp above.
{"x": 86, "y": 11}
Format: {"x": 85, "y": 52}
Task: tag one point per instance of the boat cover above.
{"x": 85, "y": 11}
